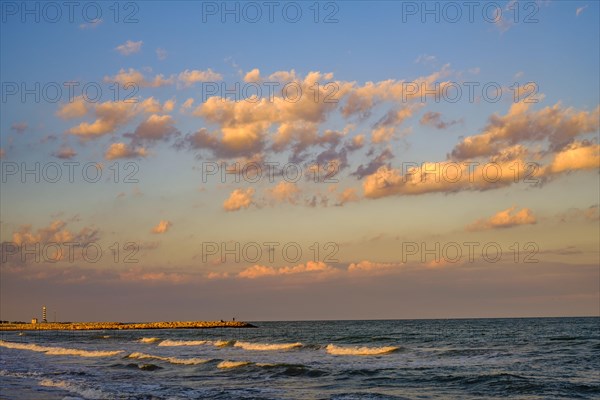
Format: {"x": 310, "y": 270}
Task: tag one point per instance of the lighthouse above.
{"x": 44, "y": 314}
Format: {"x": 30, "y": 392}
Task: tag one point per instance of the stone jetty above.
{"x": 86, "y": 326}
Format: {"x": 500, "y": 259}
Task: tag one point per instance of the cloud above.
{"x": 385, "y": 128}
{"x": 156, "y": 127}
{"x": 426, "y": 59}
{"x": 142, "y": 275}
{"x": 590, "y": 213}
{"x": 55, "y": 240}
{"x": 504, "y": 219}
{"x": 132, "y": 76}
{"x": 347, "y": 196}
{"x": 190, "y": 77}
{"x": 446, "y": 176}
{"x": 244, "y": 126}
{"x": 576, "y": 156}
{"x": 93, "y": 24}
{"x": 555, "y": 124}
{"x": 369, "y": 266}
{"x": 435, "y": 119}
{"x": 73, "y": 109}
{"x": 260, "y": 271}
{"x": 19, "y": 127}
{"x": 285, "y": 192}
{"x": 379, "y": 161}
{"x": 129, "y": 47}
{"x": 112, "y": 115}
{"x": 109, "y": 116}
{"x": 122, "y": 150}
{"x": 252, "y": 76}
{"x": 162, "y": 227}
{"x": 161, "y": 54}
{"x": 239, "y": 199}
{"x": 187, "y": 105}
{"x": 580, "y": 10}
{"x": 65, "y": 153}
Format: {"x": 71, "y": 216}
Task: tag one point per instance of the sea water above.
{"x": 528, "y": 358}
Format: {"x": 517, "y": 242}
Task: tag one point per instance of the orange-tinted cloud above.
{"x": 162, "y": 227}
{"x": 239, "y": 199}
{"x": 123, "y": 150}
{"x": 129, "y": 47}
{"x": 504, "y": 219}
{"x": 259, "y": 271}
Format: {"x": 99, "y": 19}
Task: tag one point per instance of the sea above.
{"x": 523, "y": 358}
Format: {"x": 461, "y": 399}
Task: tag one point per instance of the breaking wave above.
{"x": 172, "y": 360}
{"x": 59, "y": 351}
{"x": 359, "y": 351}
{"x": 87, "y": 393}
{"x": 232, "y": 364}
{"x": 148, "y": 340}
{"x": 174, "y": 343}
{"x": 267, "y": 346}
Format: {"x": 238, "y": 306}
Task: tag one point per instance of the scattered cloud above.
{"x": 435, "y": 119}
{"x": 580, "y": 10}
{"x": 129, "y": 47}
{"x": 122, "y": 150}
{"x": 65, "y": 153}
{"x": 93, "y": 24}
{"x": 162, "y": 227}
{"x": 190, "y": 77}
{"x": 161, "y": 54}
{"x": 504, "y": 219}
{"x": 239, "y": 199}
{"x": 285, "y": 192}
{"x": 127, "y": 78}
{"x": 19, "y": 127}
{"x": 260, "y": 271}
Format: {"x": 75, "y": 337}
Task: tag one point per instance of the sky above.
{"x": 299, "y": 160}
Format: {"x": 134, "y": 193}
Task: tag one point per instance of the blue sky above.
{"x": 170, "y": 54}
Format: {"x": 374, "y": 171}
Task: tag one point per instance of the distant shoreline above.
{"x": 88, "y": 326}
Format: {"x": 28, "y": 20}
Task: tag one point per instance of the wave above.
{"x": 224, "y": 343}
{"x": 233, "y": 364}
{"x": 148, "y": 340}
{"x": 87, "y": 393}
{"x": 59, "y": 351}
{"x": 172, "y": 360}
{"x": 267, "y": 346}
{"x": 359, "y": 351}
{"x": 174, "y": 343}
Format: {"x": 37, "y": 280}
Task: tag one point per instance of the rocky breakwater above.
{"x": 85, "y": 326}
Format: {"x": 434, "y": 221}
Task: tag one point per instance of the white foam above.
{"x": 86, "y": 393}
{"x": 174, "y": 343}
{"x": 359, "y": 351}
{"x": 148, "y": 340}
{"x": 223, "y": 343}
{"x": 267, "y": 346}
{"x": 233, "y": 364}
{"x": 172, "y": 360}
{"x": 59, "y": 351}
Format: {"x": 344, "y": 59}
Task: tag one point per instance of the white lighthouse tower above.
{"x": 44, "y": 319}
